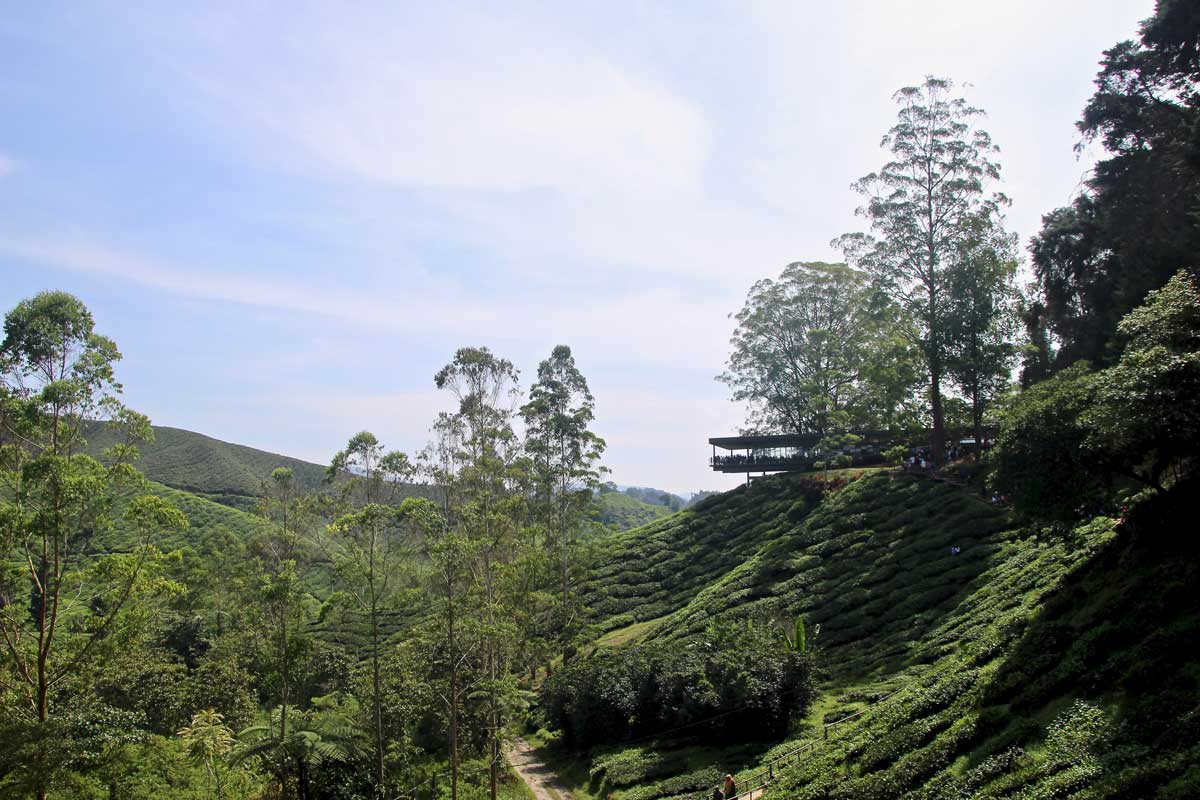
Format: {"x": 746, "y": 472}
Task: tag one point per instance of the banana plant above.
{"x": 796, "y": 641}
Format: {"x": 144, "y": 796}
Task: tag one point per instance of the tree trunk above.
{"x": 937, "y": 438}
{"x": 453, "y": 699}
{"x": 977, "y": 416}
{"x": 43, "y": 682}
{"x": 562, "y": 524}
{"x": 495, "y": 753}
{"x": 284, "y": 696}
{"x": 493, "y": 658}
{"x": 378, "y": 698}
{"x": 43, "y": 718}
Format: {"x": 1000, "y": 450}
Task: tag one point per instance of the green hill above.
{"x": 1022, "y": 663}
{"x": 222, "y": 471}
{"x": 623, "y": 512}
{"x": 646, "y": 573}
{"x": 226, "y": 473}
{"x": 204, "y": 517}
{"x": 216, "y": 485}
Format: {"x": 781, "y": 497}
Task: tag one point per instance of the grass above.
{"x": 630, "y": 634}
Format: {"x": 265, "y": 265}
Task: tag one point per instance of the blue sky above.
{"x": 290, "y": 215}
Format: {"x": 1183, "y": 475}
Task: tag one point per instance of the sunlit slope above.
{"x": 619, "y": 510}
{"x": 878, "y": 565}
{"x": 230, "y": 473}
{"x": 227, "y": 473}
{"x": 654, "y": 570}
{"x": 1071, "y": 670}
{"x": 1026, "y": 664}
{"x": 206, "y": 519}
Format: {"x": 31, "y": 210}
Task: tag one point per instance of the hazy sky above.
{"x": 290, "y": 215}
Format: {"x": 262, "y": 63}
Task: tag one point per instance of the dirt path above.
{"x": 540, "y": 779}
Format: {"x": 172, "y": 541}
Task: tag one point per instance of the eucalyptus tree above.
{"x": 372, "y": 547}
{"x": 921, "y": 206}
{"x": 449, "y": 555}
{"x": 806, "y": 348}
{"x": 64, "y": 608}
{"x": 482, "y": 458}
{"x": 564, "y": 454}
{"x": 285, "y": 553}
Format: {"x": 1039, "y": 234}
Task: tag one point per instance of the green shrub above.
{"x": 739, "y": 677}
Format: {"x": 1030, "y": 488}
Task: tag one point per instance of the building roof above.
{"x": 773, "y": 440}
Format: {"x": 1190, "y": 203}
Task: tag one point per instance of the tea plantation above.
{"x": 1015, "y": 662}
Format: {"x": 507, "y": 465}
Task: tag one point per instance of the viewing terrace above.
{"x": 798, "y": 452}
{"x": 789, "y": 452}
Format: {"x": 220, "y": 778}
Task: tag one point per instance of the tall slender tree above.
{"x": 449, "y": 555}
{"x": 371, "y": 549}
{"x": 565, "y": 455}
{"x": 922, "y": 205}
{"x": 483, "y": 505}
{"x": 284, "y": 555}
{"x": 60, "y": 604}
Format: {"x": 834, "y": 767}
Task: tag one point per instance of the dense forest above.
{"x": 1009, "y": 613}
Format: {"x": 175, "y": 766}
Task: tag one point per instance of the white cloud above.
{"x": 459, "y": 101}
{"x": 550, "y": 152}
{"x": 558, "y": 149}
{"x": 653, "y": 327}
{"x": 8, "y": 165}
{"x": 621, "y": 174}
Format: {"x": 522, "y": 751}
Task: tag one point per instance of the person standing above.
{"x": 730, "y": 787}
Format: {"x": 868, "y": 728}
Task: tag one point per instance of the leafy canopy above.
{"x": 817, "y": 351}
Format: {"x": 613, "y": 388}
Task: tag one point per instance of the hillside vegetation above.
{"x": 205, "y": 518}
{"x": 647, "y": 573}
{"x": 1023, "y": 664}
{"x": 228, "y": 473}
{"x": 620, "y": 511}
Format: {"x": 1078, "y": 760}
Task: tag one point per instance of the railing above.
{"x": 769, "y": 463}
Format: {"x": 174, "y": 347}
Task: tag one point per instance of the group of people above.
{"x": 754, "y": 458}
{"x": 922, "y": 460}
{"x": 727, "y": 790}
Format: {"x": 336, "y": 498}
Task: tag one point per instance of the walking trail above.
{"x": 540, "y": 779}
{"x": 545, "y": 785}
